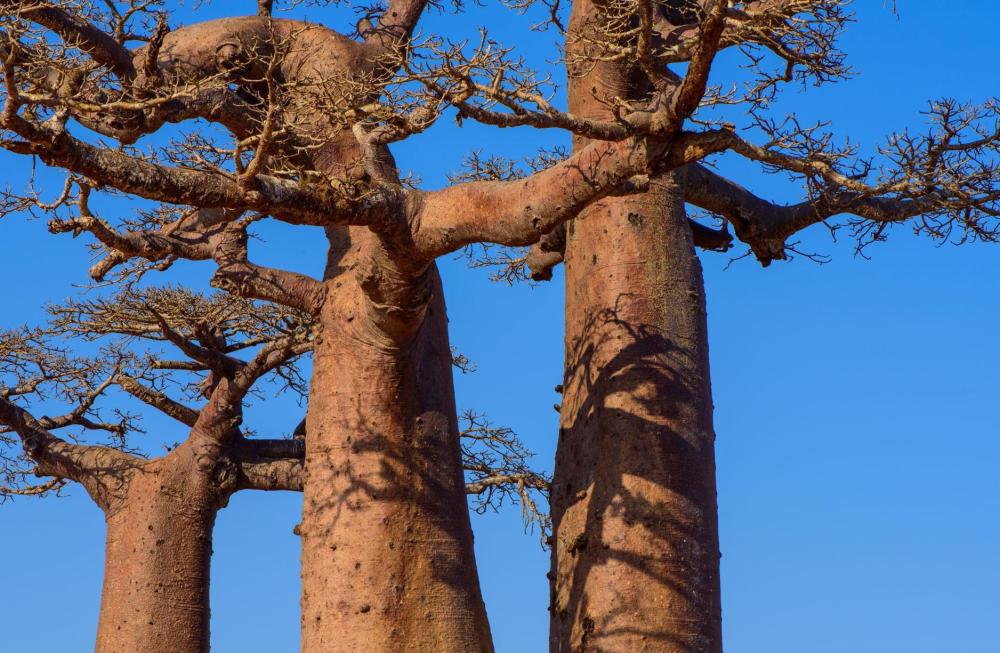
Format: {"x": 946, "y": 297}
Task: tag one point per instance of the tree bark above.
{"x": 158, "y": 553}
{"x": 387, "y": 557}
{"x": 635, "y": 558}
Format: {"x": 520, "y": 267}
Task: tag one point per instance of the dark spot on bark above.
{"x": 636, "y": 219}
{"x": 593, "y": 261}
{"x": 357, "y": 565}
{"x": 366, "y": 608}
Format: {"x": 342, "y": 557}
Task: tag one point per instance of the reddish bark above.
{"x": 387, "y": 558}
{"x": 635, "y": 560}
{"x": 159, "y": 512}
{"x": 156, "y": 569}
{"x": 387, "y": 549}
{"x": 160, "y": 515}
{"x": 387, "y": 546}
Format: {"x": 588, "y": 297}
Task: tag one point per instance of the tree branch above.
{"x": 158, "y": 400}
{"x": 765, "y": 226}
{"x": 520, "y": 212}
{"x": 237, "y": 275}
{"x": 188, "y": 238}
{"x": 270, "y": 464}
{"x": 396, "y": 25}
{"x": 91, "y": 466}
{"x": 291, "y": 201}
{"x": 75, "y": 31}
{"x": 270, "y": 474}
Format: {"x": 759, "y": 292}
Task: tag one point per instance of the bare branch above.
{"x": 158, "y": 400}
{"x": 76, "y": 32}
{"x": 237, "y": 275}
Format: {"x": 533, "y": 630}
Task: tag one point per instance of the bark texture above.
{"x": 158, "y": 554}
{"x": 160, "y": 516}
{"x": 159, "y": 512}
{"x": 387, "y": 557}
{"x": 635, "y": 561}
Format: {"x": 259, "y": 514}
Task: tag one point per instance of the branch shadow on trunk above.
{"x": 635, "y": 493}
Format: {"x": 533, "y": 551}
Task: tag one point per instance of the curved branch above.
{"x": 75, "y": 31}
{"x": 270, "y": 357}
{"x": 291, "y": 201}
{"x": 522, "y": 211}
{"x": 93, "y": 467}
{"x": 236, "y": 274}
{"x": 765, "y": 225}
{"x": 158, "y": 400}
{"x": 396, "y": 25}
{"x": 188, "y": 237}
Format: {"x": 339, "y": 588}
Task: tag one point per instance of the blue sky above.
{"x": 856, "y": 403}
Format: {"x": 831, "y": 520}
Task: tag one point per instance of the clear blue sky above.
{"x": 856, "y": 403}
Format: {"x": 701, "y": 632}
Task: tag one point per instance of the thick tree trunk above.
{"x": 387, "y": 558}
{"x": 635, "y": 559}
{"x": 156, "y": 570}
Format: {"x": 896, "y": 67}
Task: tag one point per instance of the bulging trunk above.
{"x": 156, "y": 570}
{"x": 387, "y": 557}
{"x": 635, "y": 557}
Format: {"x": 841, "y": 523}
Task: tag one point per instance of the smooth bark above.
{"x": 387, "y": 557}
{"x": 158, "y": 553}
{"x": 635, "y": 559}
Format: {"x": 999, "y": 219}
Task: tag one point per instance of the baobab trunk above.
{"x": 158, "y": 554}
{"x": 635, "y": 559}
{"x": 387, "y": 558}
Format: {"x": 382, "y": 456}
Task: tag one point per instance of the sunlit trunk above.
{"x": 156, "y": 570}
{"x": 635, "y": 560}
{"x": 387, "y": 558}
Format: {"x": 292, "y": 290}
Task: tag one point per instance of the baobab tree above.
{"x": 160, "y": 510}
{"x": 179, "y": 353}
{"x": 309, "y": 114}
{"x": 635, "y": 557}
